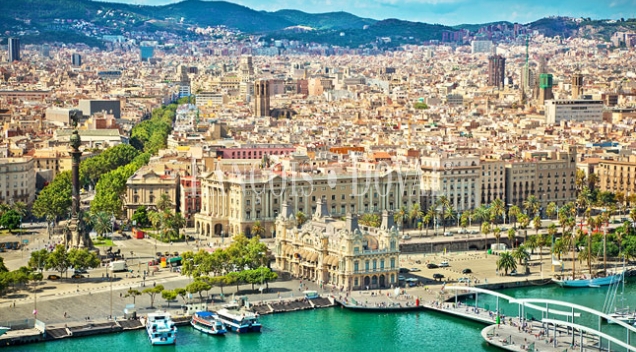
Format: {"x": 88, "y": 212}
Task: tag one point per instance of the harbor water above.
{"x": 337, "y": 329}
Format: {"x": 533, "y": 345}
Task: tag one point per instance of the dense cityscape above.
{"x": 210, "y": 158}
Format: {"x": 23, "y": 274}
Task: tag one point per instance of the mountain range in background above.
{"x": 39, "y": 21}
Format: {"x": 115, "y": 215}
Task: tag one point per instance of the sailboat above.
{"x": 620, "y": 313}
{"x": 584, "y": 281}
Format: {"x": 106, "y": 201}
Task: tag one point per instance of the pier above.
{"x": 555, "y": 331}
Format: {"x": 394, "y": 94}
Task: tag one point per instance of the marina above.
{"x": 461, "y": 327}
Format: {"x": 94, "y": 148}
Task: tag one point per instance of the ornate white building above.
{"x": 336, "y": 252}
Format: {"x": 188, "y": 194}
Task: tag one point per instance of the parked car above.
{"x": 448, "y": 233}
{"x": 463, "y": 231}
{"x": 438, "y": 276}
{"x": 404, "y": 270}
{"x": 513, "y": 273}
{"x": 444, "y": 264}
{"x": 401, "y": 278}
{"x": 467, "y": 271}
{"x": 418, "y": 262}
{"x": 77, "y": 276}
{"x": 80, "y": 271}
{"x": 432, "y": 266}
{"x": 53, "y": 277}
{"x": 413, "y": 270}
{"x": 463, "y": 280}
{"x": 406, "y": 237}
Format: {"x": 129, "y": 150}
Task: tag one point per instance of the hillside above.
{"x": 325, "y": 21}
{"x": 86, "y": 21}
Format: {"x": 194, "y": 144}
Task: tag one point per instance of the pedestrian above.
{"x": 64, "y": 314}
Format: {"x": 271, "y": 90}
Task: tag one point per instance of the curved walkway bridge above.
{"x": 559, "y": 329}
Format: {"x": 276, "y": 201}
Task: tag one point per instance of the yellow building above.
{"x": 618, "y": 176}
{"x": 339, "y": 253}
{"x": 145, "y": 188}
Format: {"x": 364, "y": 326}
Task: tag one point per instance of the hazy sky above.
{"x": 448, "y": 12}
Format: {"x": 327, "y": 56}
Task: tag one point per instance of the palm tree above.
{"x": 552, "y": 231}
{"x": 426, "y": 220}
{"x": 415, "y": 213}
{"x": 497, "y": 233}
{"x": 536, "y": 224}
{"x": 531, "y": 205}
{"x": 301, "y": 218}
{"x": 164, "y": 203}
{"x": 524, "y": 222}
{"x": 485, "y": 229}
{"x": 559, "y": 247}
{"x": 178, "y": 222}
{"x": 482, "y": 213}
{"x": 400, "y": 216}
{"x": 449, "y": 214}
{"x": 512, "y": 233}
{"x": 258, "y": 229}
{"x": 592, "y": 181}
{"x": 497, "y": 209}
{"x": 444, "y": 202}
{"x": 531, "y": 243}
{"x": 432, "y": 213}
{"x": 102, "y": 223}
{"x": 580, "y": 179}
{"x": 155, "y": 219}
{"x": 513, "y": 213}
{"x": 551, "y": 209}
{"x": 506, "y": 262}
{"x": 521, "y": 254}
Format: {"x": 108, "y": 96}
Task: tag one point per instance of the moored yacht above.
{"x": 238, "y": 320}
{"x": 208, "y": 323}
{"x": 161, "y": 329}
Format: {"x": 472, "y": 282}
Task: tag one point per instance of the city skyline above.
{"x": 447, "y": 12}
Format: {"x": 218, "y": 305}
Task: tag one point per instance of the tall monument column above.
{"x": 78, "y": 238}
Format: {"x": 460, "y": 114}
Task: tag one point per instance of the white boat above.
{"x": 625, "y": 316}
{"x": 3, "y": 330}
{"x": 238, "y": 320}
{"x": 208, "y": 323}
{"x": 161, "y": 329}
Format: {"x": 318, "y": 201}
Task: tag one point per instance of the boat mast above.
{"x": 605, "y": 251}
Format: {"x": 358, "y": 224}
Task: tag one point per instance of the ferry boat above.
{"x": 161, "y": 329}
{"x": 208, "y": 323}
{"x": 237, "y": 320}
{"x": 595, "y": 282}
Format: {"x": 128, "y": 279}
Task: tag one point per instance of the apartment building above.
{"x": 452, "y": 175}
{"x": 338, "y": 253}
{"x": 233, "y": 201}
{"x": 618, "y": 175}
{"x": 493, "y": 180}
{"x": 548, "y": 175}
{"x": 17, "y": 180}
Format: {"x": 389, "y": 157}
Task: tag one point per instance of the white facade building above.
{"x": 573, "y": 110}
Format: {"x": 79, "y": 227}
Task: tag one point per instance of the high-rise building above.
{"x": 76, "y": 60}
{"x": 481, "y": 46}
{"x": 577, "y": 85}
{"x": 14, "y": 49}
{"x": 496, "y": 71}
{"x": 146, "y": 52}
{"x": 545, "y": 88}
{"x": 261, "y": 98}
{"x": 246, "y": 69}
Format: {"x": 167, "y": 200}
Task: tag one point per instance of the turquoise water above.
{"x": 336, "y": 329}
